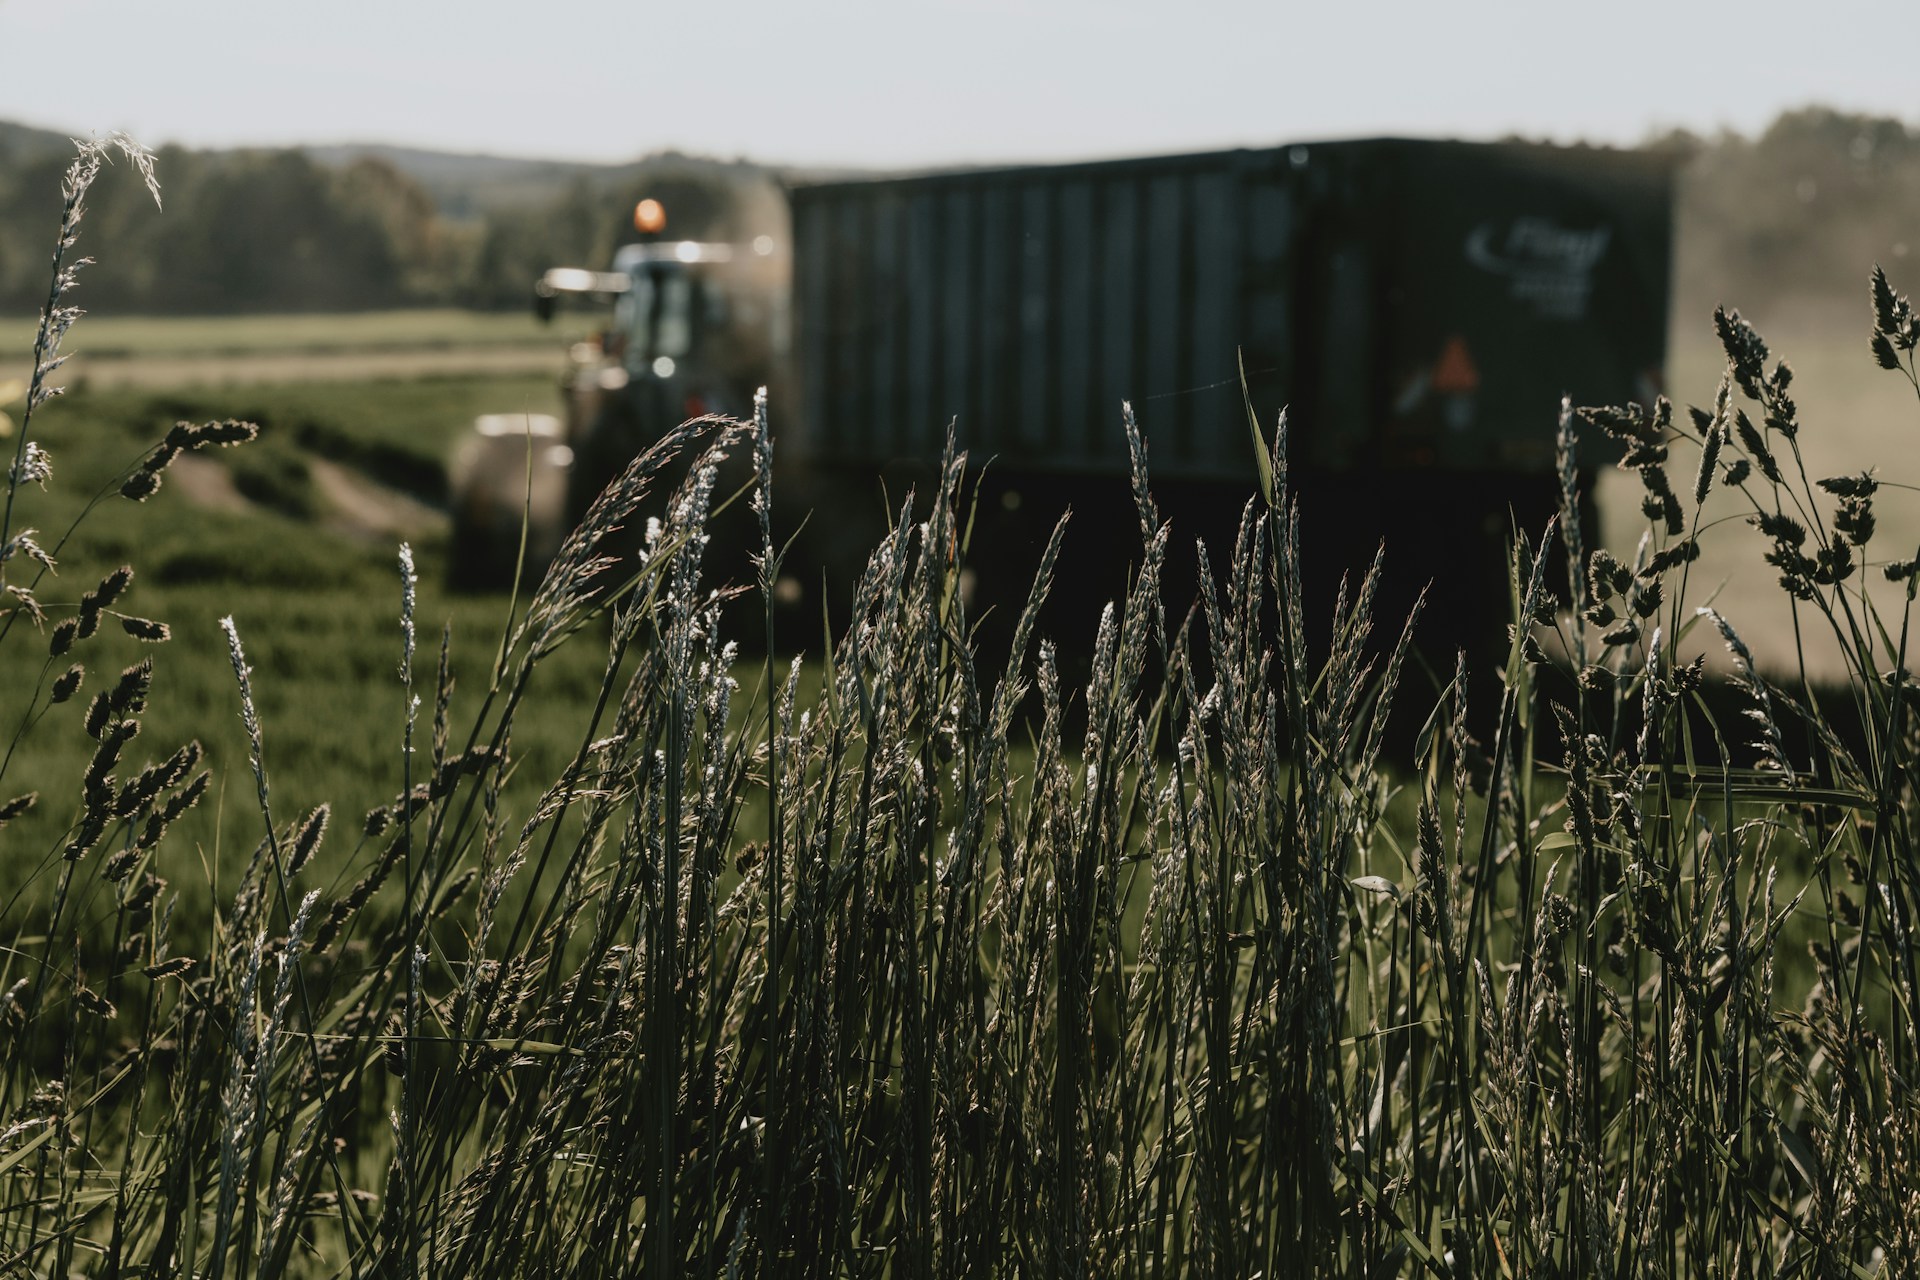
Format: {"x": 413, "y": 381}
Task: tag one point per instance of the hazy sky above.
{"x": 904, "y": 84}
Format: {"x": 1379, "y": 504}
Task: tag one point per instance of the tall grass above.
{"x": 901, "y": 976}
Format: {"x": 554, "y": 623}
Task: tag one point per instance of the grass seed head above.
{"x": 99, "y": 711}
{"x": 17, "y": 806}
{"x": 129, "y": 696}
{"x": 23, "y": 544}
{"x": 1756, "y": 447}
{"x": 34, "y": 467}
{"x": 114, "y": 585}
{"x": 1901, "y": 570}
{"x": 1746, "y": 351}
{"x": 1854, "y": 520}
{"x": 122, "y": 863}
{"x": 187, "y": 435}
{"x": 25, "y": 602}
{"x": 146, "y": 629}
{"x": 1863, "y": 485}
{"x": 144, "y": 483}
{"x": 186, "y": 798}
{"x": 1709, "y": 457}
{"x": 307, "y": 839}
{"x": 67, "y": 684}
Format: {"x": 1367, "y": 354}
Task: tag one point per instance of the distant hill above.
{"x": 21, "y": 143}
{"x": 472, "y": 185}
{"x": 475, "y": 184}
{"x": 463, "y": 185}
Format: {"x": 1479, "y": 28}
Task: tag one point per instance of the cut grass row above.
{"x": 108, "y": 335}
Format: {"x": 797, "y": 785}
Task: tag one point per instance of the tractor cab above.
{"x": 669, "y": 303}
{"x": 695, "y": 329}
{"x": 690, "y": 327}
{"x": 669, "y": 334}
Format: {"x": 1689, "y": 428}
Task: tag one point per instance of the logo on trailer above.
{"x": 1547, "y": 265}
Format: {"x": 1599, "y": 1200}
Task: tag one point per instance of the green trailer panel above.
{"x": 1418, "y": 304}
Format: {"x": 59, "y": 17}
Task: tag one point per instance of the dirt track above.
{"x": 365, "y": 508}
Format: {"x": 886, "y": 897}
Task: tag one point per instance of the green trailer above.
{"x": 1419, "y": 308}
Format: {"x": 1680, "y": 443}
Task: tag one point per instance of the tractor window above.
{"x": 634, "y": 314}
{"x": 673, "y": 327}
{"x": 657, "y": 313}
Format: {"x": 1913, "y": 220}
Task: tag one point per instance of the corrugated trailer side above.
{"x": 1421, "y": 304}
{"x": 1420, "y": 307}
{"x": 1027, "y": 304}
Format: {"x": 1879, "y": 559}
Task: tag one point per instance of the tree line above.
{"x": 278, "y": 230}
{"x": 1792, "y": 214}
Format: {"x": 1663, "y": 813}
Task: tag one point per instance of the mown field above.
{"x": 112, "y": 337}
{"x": 295, "y": 536}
